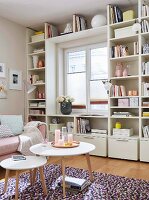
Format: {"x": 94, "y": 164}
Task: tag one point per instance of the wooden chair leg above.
{"x": 17, "y": 185}
{"x": 43, "y": 180}
{"x": 6, "y": 179}
{"x": 63, "y": 174}
{"x": 89, "y": 166}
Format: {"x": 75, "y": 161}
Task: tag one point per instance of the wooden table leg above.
{"x": 89, "y": 166}
{"x": 6, "y": 179}
{"x": 63, "y": 174}
{"x": 34, "y": 175}
{"x": 17, "y": 185}
{"x": 43, "y": 180}
{"x": 31, "y": 176}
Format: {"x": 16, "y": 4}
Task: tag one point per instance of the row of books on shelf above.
{"x": 144, "y": 26}
{"x": 145, "y": 10}
{"x": 116, "y": 14}
{"x": 50, "y": 30}
{"x": 36, "y": 112}
{"x": 122, "y": 114}
{"x": 145, "y": 89}
{"x": 145, "y": 131}
{"x": 145, "y": 68}
{"x": 117, "y": 90}
{"x": 79, "y": 23}
{"x": 37, "y": 104}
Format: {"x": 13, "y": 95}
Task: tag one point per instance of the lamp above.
{"x": 136, "y": 27}
{"x": 107, "y": 85}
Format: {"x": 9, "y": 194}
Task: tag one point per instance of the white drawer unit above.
{"x": 100, "y": 142}
{"x": 123, "y": 148}
{"x": 144, "y": 149}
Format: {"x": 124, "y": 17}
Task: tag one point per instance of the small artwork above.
{"x": 15, "y": 79}
{"x": 3, "y": 88}
{"x": 2, "y": 70}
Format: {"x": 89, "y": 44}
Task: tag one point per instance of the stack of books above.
{"x": 119, "y": 51}
{"x": 145, "y": 9}
{"x": 122, "y": 114}
{"x": 74, "y": 183}
{"x": 145, "y": 89}
{"x": 33, "y": 104}
{"x": 116, "y": 14}
{"x": 145, "y": 114}
{"x": 99, "y": 131}
{"x": 50, "y": 30}
{"x": 37, "y": 112}
{"x": 145, "y": 68}
{"x": 145, "y": 130}
{"x": 79, "y": 23}
{"x": 145, "y": 103}
{"x": 117, "y": 90}
{"x": 144, "y": 26}
{"x": 122, "y": 132}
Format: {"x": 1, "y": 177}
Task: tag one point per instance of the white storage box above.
{"x": 123, "y": 148}
{"x": 37, "y": 38}
{"x": 99, "y": 140}
{"x": 122, "y": 132}
{"x": 144, "y": 149}
{"x": 123, "y": 32}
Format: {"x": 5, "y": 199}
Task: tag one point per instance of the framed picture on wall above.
{"x": 3, "y": 88}
{"x": 2, "y": 70}
{"x": 15, "y": 79}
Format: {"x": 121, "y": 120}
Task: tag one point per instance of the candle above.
{"x": 70, "y": 138}
{"x": 57, "y": 135}
{"x": 61, "y": 142}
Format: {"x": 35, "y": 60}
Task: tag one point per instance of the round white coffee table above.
{"x": 31, "y": 162}
{"x": 48, "y": 150}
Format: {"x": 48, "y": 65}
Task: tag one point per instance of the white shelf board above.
{"x": 132, "y": 38}
{"x": 37, "y": 69}
{"x": 123, "y": 107}
{"x": 79, "y": 35}
{"x": 125, "y": 58}
{"x": 125, "y": 77}
{"x": 145, "y": 35}
{"x": 123, "y": 24}
{"x": 144, "y": 106}
{"x": 145, "y": 55}
{"x": 145, "y": 117}
{"x": 146, "y": 17}
{"x": 37, "y": 53}
{"x": 37, "y": 107}
{"x": 40, "y": 115}
{"x": 36, "y": 84}
{"x": 146, "y": 75}
{"x": 144, "y": 97}
{"x": 123, "y": 97}
{"x": 36, "y": 99}
{"x": 34, "y": 43}
{"x": 121, "y": 117}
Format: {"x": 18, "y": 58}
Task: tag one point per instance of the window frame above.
{"x": 87, "y": 49}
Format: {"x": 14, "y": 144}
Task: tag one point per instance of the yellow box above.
{"x": 128, "y": 15}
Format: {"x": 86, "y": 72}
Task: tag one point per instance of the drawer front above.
{"x": 99, "y": 142}
{"x": 123, "y": 148}
{"x": 144, "y": 150}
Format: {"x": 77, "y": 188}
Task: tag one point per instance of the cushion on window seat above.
{"x": 9, "y": 145}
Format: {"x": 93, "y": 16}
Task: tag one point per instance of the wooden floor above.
{"x": 126, "y": 168}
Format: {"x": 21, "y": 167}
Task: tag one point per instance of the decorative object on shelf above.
{"x": 132, "y": 93}
{"x": 3, "y": 88}
{"x": 128, "y": 15}
{"x": 40, "y": 63}
{"x": 136, "y": 27}
{"x": 2, "y": 70}
{"x": 65, "y": 104}
{"x": 125, "y": 71}
{"x": 55, "y": 120}
{"x": 98, "y": 20}
{"x": 145, "y": 48}
{"x": 29, "y": 87}
{"x": 35, "y": 60}
{"x": 107, "y": 85}
{"x": 15, "y": 79}
{"x": 68, "y": 28}
{"x": 118, "y": 125}
{"x": 118, "y": 70}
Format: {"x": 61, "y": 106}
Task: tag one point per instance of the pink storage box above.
{"x": 123, "y": 102}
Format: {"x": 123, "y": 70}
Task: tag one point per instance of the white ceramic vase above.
{"x": 98, "y": 20}
{"x": 35, "y": 60}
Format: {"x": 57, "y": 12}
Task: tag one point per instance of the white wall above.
{"x": 12, "y": 53}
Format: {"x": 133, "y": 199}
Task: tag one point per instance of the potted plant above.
{"x": 65, "y": 104}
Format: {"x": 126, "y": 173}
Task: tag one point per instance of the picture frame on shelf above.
{"x": 2, "y": 70}
{"x": 15, "y": 79}
{"x": 3, "y": 88}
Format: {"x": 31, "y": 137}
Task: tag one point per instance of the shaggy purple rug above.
{"x": 104, "y": 187}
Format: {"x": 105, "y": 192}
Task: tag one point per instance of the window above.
{"x": 86, "y": 68}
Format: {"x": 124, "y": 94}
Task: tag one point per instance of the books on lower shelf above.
{"x": 119, "y": 51}
{"x": 74, "y": 183}
{"x": 144, "y": 26}
{"x": 122, "y": 132}
{"x": 145, "y": 9}
{"x": 145, "y": 131}
{"x": 79, "y": 23}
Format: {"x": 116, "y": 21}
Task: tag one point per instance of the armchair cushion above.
{"x": 14, "y": 122}
{"x": 5, "y": 131}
